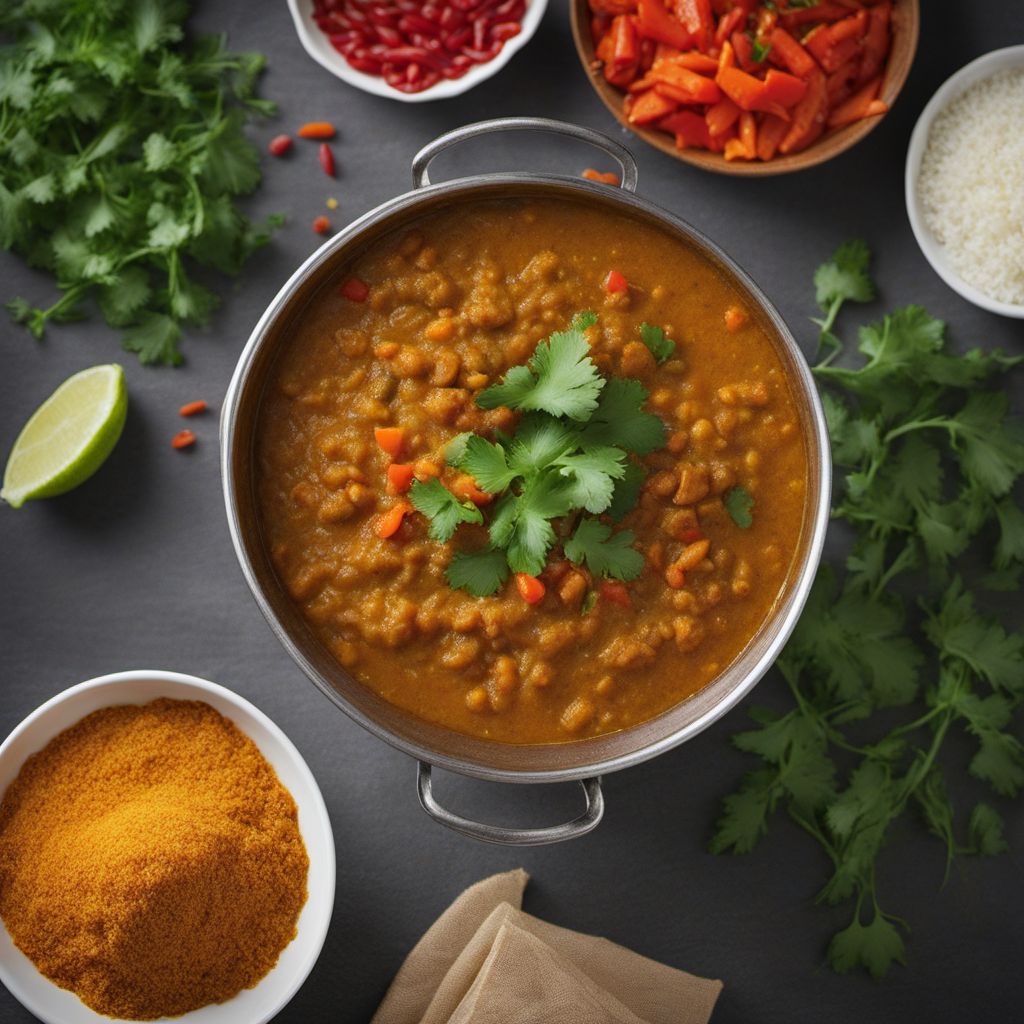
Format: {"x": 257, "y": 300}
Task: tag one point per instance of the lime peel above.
{"x": 68, "y": 437}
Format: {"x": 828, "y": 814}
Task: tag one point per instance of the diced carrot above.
{"x": 531, "y": 590}
{"x": 831, "y": 54}
{"x": 748, "y": 133}
{"x": 747, "y": 92}
{"x": 735, "y": 317}
{"x": 840, "y": 82}
{"x": 316, "y": 130}
{"x": 400, "y": 477}
{"x": 192, "y": 408}
{"x": 876, "y": 107}
{"x": 183, "y": 439}
{"x": 736, "y": 149}
{"x": 727, "y": 58}
{"x": 650, "y": 106}
{"x": 690, "y": 129}
{"x": 743, "y": 47}
{"x": 691, "y": 87}
{"x": 783, "y": 89}
{"x": 615, "y": 282}
{"x": 390, "y": 439}
{"x": 849, "y": 28}
{"x": 621, "y": 66}
{"x": 675, "y": 577}
{"x": 827, "y": 10}
{"x": 729, "y": 23}
{"x": 791, "y": 54}
{"x": 808, "y": 116}
{"x": 388, "y": 523}
{"x": 722, "y": 115}
{"x": 655, "y": 22}
{"x": 696, "y": 16}
{"x": 876, "y": 42}
{"x": 605, "y": 177}
{"x": 465, "y": 488}
{"x": 856, "y": 106}
{"x": 616, "y": 593}
{"x": 770, "y": 133}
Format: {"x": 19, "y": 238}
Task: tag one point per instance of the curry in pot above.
{"x": 532, "y": 469}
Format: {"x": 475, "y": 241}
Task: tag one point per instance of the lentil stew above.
{"x": 408, "y": 337}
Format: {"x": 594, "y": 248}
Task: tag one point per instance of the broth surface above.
{"x": 453, "y": 303}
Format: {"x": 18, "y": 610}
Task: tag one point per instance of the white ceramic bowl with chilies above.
{"x": 54, "y": 1005}
{"x": 319, "y": 47}
{"x": 934, "y": 252}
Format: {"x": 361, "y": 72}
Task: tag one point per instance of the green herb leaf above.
{"x": 445, "y": 512}
{"x": 654, "y": 338}
{"x": 876, "y": 946}
{"x": 560, "y": 379}
{"x": 759, "y": 50}
{"x": 605, "y": 553}
{"x": 626, "y": 492}
{"x": 487, "y": 464}
{"x": 619, "y": 419}
{"x": 738, "y": 503}
{"x": 480, "y": 573}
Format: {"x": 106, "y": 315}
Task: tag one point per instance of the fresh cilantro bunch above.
{"x": 123, "y": 149}
{"x": 568, "y": 461}
{"x": 892, "y": 655}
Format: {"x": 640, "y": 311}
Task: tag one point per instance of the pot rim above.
{"x": 795, "y": 592}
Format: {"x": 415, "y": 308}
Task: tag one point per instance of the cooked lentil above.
{"x": 450, "y": 306}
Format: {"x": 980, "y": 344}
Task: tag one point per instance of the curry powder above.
{"x": 151, "y": 860}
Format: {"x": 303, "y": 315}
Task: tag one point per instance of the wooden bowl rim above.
{"x": 831, "y": 144}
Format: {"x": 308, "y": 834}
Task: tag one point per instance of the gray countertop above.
{"x": 135, "y": 569}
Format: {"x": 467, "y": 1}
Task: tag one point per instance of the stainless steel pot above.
{"x": 432, "y": 745}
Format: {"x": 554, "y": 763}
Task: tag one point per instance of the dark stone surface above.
{"x": 135, "y": 569}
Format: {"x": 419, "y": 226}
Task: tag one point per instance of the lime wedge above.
{"x": 68, "y": 437}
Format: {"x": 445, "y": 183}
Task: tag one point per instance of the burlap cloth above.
{"x": 486, "y": 962}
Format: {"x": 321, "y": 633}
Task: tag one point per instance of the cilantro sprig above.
{"x": 124, "y": 149}
{"x": 893, "y": 656}
{"x": 571, "y": 455}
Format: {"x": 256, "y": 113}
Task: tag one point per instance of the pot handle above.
{"x": 580, "y": 826}
{"x": 622, "y": 156}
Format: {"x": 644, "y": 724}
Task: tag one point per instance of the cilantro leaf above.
{"x": 540, "y": 441}
{"x": 605, "y": 553}
{"x": 583, "y": 319}
{"x": 759, "y": 51}
{"x": 487, "y": 464}
{"x": 593, "y": 474}
{"x": 626, "y": 492}
{"x": 560, "y": 379}
{"x": 844, "y": 276}
{"x": 455, "y": 449}
{"x": 445, "y": 512}
{"x": 745, "y": 813}
{"x": 154, "y": 339}
{"x": 654, "y": 338}
{"x": 985, "y": 830}
{"x": 739, "y": 503}
{"x": 619, "y": 419}
{"x": 875, "y": 946}
{"x": 480, "y": 573}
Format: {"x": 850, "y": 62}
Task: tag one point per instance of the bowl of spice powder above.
{"x": 164, "y": 852}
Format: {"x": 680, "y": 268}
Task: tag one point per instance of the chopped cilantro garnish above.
{"x": 583, "y": 319}
{"x": 126, "y": 147}
{"x": 560, "y": 379}
{"x": 552, "y": 465}
{"x": 654, "y": 338}
{"x": 605, "y": 553}
{"x": 620, "y": 419}
{"x": 589, "y": 601}
{"x": 893, "y": 657}
{"x": 481, "y": 573}
{"x": 442, "y": 508}
{"x": 759, "y": 50}
{"x": 738, "y": 503}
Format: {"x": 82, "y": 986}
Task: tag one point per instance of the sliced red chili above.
{"x": 327, "y": 159}
{"x": 192, "y": 408}
{"x": 355, "y": 290}
{"x": 279, "y": 145}
{"x": 183, "y": 439}
{"x": 321, "y": 225}
{"x": 615, "y": 282}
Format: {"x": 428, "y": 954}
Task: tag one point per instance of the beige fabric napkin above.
{"x": 486, "y": 962}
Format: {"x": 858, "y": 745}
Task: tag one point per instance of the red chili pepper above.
{"x": 327, "y": 159}
{"x": 279, "y": 145}
{"x": 321, "y": 225}
{"x": 192, "y": 408}
{"x": 531, "y": 590}
{"x": 316, "y": 130}
{"x": 616, "y": 593}
{"x": 183, "y": 439}
{"x": 615, "y": 282}
{"x": 355, "y": 290}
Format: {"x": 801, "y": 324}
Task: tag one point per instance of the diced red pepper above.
{"x": 321, "y": 225}
{"x": 615, "y": 282}
{"x": 531, "y": 590}
{"x": 615, "y": 592}
{"x": 355, "y": 290}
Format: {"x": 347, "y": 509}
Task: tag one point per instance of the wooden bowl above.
{"x": 906, "y": 23}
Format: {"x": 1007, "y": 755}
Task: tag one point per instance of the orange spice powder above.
{"x": 151, "y": 860}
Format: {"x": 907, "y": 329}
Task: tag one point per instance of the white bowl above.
{"x": 54, "y": 1005}
{"x": 318, "y": 46}
{"x": 934, "y": 252}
